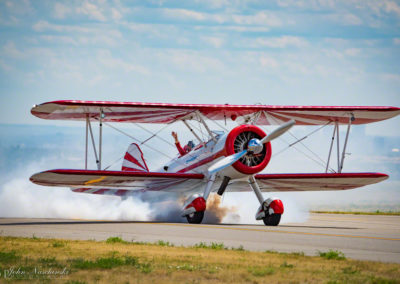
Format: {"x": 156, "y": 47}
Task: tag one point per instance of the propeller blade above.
{"x": 278, "y": 132}
{"x": 226, "y": 162}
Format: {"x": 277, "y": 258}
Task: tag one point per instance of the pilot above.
{"x": 182, "y": 151}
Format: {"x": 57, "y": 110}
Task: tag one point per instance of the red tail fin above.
{"x": 133, "y": 160}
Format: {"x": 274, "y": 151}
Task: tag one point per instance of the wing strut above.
{"x": 351, "y": 119}
{"x": 330, "y": 148}
{"x": 191, "y": 130}
{"x": 86, "y": 141}
{"x": 100, "y": 135}
{"x": 340, "y": 162}
{"x": 206, "y": 127}
{"x": 94, "y": 144}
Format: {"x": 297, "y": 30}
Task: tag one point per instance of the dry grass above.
{"x": 124, "y": 262}
{"x": 377, "y": 212}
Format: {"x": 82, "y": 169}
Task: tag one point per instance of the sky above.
{"x": 239, "y": 52}
{"x": 281, "y": 52}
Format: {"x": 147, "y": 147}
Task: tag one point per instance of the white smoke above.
{"x": 245, "y": 205}
{"x": 20, "y": 198}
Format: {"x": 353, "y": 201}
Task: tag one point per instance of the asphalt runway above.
{"x": 365, "y": 237}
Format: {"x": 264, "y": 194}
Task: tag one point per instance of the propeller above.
{"x": 255, "y": 146}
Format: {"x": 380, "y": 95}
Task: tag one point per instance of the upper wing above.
{"x": 167, "y": 113}
{"x": 310, "y": 182}
{"x": 118, "y": 182}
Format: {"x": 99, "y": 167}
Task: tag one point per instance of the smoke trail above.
{"x": 216, "y": 213}
{"x": 21, "y": 198}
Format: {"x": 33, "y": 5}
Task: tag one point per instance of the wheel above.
{"x": 195, "y": 218}
{"x": 272, "y": 220}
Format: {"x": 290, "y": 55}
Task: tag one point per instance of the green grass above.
{"x": 332, "y": 254}
{"x": 164, "y": 243}
{"x": 58, "y": 244}
{"x": 239, "y": 248}
{"x": 8, "y": 257}
{"x": 261, "y": 271}
{"x": 131, "y": 262}
{"x": 286, "y": 265}
{"x": 215, "y": 246}
{"x": 113, "y": 240}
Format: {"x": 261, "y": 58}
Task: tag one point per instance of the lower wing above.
{"x": 309, "y": 182}
{"x": 122, "y": 182}
{"x": 118, "y": 182}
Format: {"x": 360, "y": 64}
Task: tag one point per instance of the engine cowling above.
{"x": 237, "y": 141}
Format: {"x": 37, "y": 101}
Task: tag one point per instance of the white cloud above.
{"x": 391, "y": 77}
{"x": 268, "y": 62}
{"x": 60, "y": 39}
{"x": 92, "y": 10}
{"x": 396, "y": 41}
{"x": 22, "y": 7}
{"x": 115, "y": 14}
{"x": 281, "y": 42}
{"x": 46, "y": 26}
{"x": 334, "y": 53}
{"x": 61, "y": 11}
{"x": 314, "y": 5}
{"x": 184, "y": 14}
{"x": 5, "y": 66}
{"x": 105, "y": 58}
{"x": 214, "y": 41}
{"x": 215, "y": 4}
{"x": 262, "y": 18}
{"x": 192, "y": 61}
{"x": 391, "y": 7}
{"x": 346, "y": 19}
{"x": 79, "y": 35}
{"x": 352, "y": 51}
{"x": 11, "y": 50}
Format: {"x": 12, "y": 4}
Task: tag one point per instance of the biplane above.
{"x": 231, "y": 160}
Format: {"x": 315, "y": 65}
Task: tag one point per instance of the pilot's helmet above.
{"x": 191, "y": 144}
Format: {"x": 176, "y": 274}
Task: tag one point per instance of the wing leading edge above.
{"x": 310, "y": 182}
{"x": 122, "y": 182}
{"x": 167, "y": 113}
{"x": 117, "y": 182}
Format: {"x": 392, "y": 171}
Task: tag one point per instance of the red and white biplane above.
{"x": 232, "y": 159}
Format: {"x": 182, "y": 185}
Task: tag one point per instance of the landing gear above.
{"x": 270, "y": 210}
{"x": 195, "y": 217}
{"x": 272, "y": 220}
{"x": 195, "y": 206}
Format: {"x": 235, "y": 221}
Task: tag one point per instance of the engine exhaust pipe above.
{"x": 223, "y": 186}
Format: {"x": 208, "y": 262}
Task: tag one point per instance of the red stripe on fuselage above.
{"x": 202, "y": 162}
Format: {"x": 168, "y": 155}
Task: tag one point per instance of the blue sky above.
{"x": 238, "y": 52}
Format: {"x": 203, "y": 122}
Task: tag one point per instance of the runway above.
{"x": 364, "y": 237}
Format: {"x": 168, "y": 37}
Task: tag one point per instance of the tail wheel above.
{"x": 196, "y": 217}
{"x": 272, "y": 220}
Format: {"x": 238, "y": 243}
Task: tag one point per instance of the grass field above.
{"x": 377, "y": 212}
{"x": 117, "y": 261}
